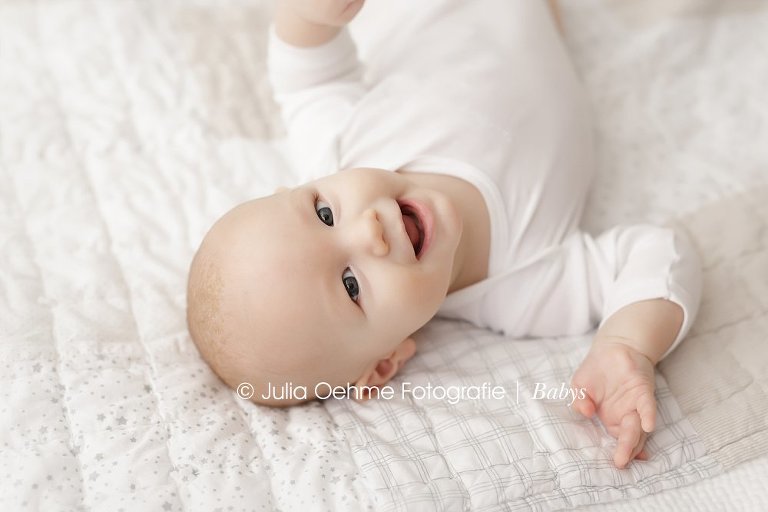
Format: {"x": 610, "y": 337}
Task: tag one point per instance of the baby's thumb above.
{"x": 583, "y": 404}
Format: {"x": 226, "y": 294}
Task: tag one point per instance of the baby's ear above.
{"x": 384, "y": 369}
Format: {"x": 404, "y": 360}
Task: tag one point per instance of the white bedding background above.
{"x": 128, "y": 126}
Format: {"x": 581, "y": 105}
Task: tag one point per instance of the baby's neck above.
{"x": 471, "y": 260}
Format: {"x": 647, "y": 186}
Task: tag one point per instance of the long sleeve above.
{"x": 316, "y": 89}
{"x": 643, "y": 262}
{"x": 573, "y": 287}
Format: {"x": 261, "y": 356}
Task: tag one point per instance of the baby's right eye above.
{"x": 323, "y": 211}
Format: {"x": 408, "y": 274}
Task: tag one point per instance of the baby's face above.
{"x": 323, "y": 280}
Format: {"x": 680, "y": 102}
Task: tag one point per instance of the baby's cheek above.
{"x": 423, "y": 293}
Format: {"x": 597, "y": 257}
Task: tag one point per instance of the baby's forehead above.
{"x": 348, "y": 176}
{"x": 261, "y": 216}
{"x": 270, "y": 244}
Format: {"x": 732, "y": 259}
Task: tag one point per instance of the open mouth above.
{"x": 414, "y": 227}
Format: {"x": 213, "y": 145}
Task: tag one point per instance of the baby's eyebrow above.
{"x": 302, "y": 205}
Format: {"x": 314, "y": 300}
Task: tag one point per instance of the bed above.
{"x": 128, "y": 126}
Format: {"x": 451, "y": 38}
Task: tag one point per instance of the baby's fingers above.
{"x": 646, "y": 408}
{"x": 584, "y": 406}
{"x": 629, "y": 436}
{"x": 639, "y": 448}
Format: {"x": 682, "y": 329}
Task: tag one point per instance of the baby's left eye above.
{"x": 324, "y": 212}
{"x": 350, "y": 283}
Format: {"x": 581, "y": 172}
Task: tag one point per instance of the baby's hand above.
{"x": 619, "y": 383}
{"x": 333, "y": 13}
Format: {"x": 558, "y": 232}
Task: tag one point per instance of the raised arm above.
{"x": 315, "y": 76}
{"x": 306, "y": 23}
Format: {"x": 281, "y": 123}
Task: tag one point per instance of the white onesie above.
{"x": 483, "y": 90}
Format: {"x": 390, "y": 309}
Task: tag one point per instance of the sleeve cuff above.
{"x": 656, "y": 263}
{"x": 294, "y": 67}
{"x": 657, "y": 290}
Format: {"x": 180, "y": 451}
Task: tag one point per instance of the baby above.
{"x": 464, "y": 158}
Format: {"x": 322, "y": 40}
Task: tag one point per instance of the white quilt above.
{"x": 128, "y": 126}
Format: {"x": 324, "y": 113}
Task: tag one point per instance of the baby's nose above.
{"x": 371, "y": 233}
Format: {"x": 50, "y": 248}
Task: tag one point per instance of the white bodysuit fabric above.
{"x": 492, "y": 99}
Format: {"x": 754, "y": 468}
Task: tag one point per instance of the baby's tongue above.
{"x": 411, "y": 229}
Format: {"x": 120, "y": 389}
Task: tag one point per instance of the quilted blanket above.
{"x": 128, "y": 126}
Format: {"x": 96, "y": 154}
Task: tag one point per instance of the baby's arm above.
{"x": 650, "y": 307}
{"x": 648, "y": 326}
{"x": 315, "y": 76}
{"x": 306, "y": 23}
{"x": 618, "y": 372}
